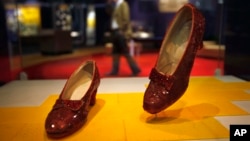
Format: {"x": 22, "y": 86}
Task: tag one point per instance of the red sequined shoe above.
{"x": 170, "y": 76}
{"x": 70, "y": 110}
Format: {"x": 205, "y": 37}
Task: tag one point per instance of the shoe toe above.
{"x": 63, "y": 122}
{"x": 154, "y": 99}
{"x": 57, "y": 122}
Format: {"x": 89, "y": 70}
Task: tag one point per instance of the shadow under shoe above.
{"x": 170, "y": 76}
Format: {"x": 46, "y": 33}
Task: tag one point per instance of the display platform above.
{"x": 204, "y": 113}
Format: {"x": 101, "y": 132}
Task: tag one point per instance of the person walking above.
{"x": 121, "y": 33}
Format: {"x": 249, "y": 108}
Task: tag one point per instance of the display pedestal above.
{"x": 54, "y": 42}
{"x": 205, "y": 112}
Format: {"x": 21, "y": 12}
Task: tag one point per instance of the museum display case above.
{"x": 205, "y": 110}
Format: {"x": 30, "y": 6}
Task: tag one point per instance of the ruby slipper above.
{"x": 170, "y": 76}
{"x": 70, "y": 110}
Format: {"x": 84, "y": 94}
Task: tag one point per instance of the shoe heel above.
{"x": 93, "y": 98}
{"x": 200, "y": 46}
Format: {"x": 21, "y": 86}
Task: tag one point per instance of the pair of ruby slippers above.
{"x": 168, "y": 79}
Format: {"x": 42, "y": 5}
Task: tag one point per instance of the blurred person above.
{"x": 121, "y": 33}
{"x": 107, "y": 26}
